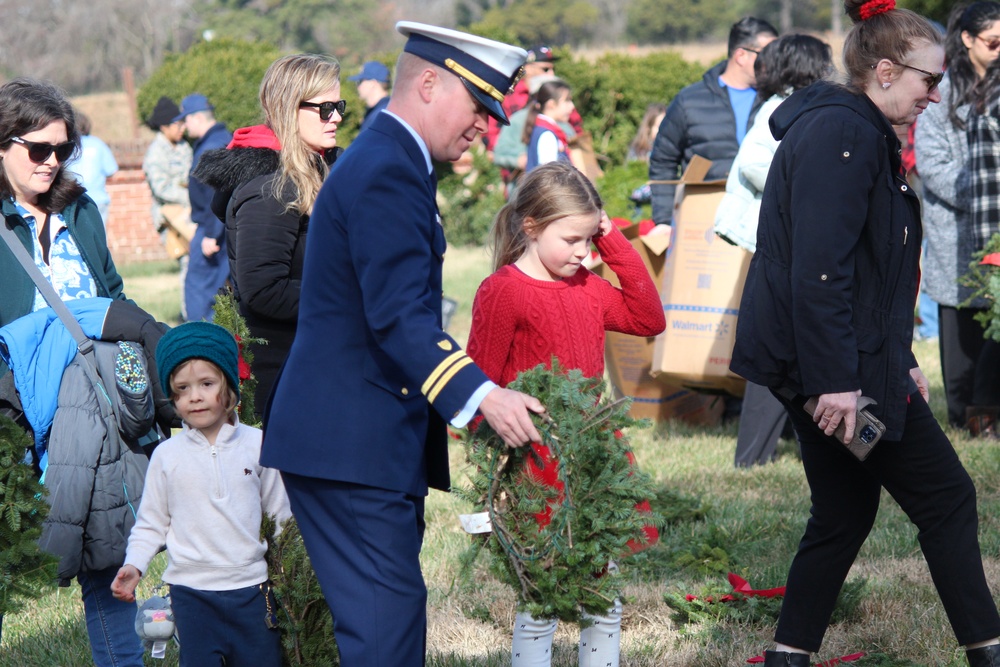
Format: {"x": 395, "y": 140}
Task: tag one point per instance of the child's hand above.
{"x": 123, "y": 587}
{"x": 605, "y": 226}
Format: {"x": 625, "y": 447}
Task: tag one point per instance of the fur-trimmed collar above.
{"x": 225, "y": 169}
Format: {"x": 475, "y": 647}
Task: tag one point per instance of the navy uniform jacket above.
{"x": 371, "y": 377}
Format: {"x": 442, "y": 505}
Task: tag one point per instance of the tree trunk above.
{"x": 786, "y": 16}
{"x": 837, "y": 20}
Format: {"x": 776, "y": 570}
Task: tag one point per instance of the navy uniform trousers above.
{"x": 364, "y": 544}
{"x": 923, "y": 474}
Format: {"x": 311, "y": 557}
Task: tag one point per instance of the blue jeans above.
{"x": 110, "y": 622}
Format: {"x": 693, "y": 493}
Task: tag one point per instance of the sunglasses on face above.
{"x": 932, "y": 80}
{"x": 991, "y": 44}
{"x": 326, "y": 109}
{"x": 39, "y": 151}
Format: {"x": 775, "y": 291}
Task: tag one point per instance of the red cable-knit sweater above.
{"x": 519, "y": 322}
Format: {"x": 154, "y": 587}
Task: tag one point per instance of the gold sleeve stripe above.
{"x": 446, "y": 378}
{"x": 441, "y": 368}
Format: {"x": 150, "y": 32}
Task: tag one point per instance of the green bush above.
{"x": 469, "y": 202}
{"x": 617, "y": 184}
{"x": 612, "y": 94}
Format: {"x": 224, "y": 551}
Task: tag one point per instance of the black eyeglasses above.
{"x": 932, "y": 80}
{"x": 747, "y": 48}
{"x": 326, "y": 109}
{"x": 39, "y": 151}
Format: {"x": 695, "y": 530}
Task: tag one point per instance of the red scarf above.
{"x": 546, "y": 124}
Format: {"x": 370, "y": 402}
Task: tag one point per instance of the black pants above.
{"x": 923, "y": 474}
{"x": 970, "y": 365}
{"x": 761, "y": 423}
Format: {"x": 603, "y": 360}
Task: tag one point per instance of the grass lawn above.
{"x": 723, "y": 520}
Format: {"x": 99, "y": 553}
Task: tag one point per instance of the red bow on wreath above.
{"x": 244, "y": 367}
{"x": 741, "y": 589}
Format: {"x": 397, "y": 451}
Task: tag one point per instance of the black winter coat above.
{"x": 699, "y": 121}
{"x": 829, "y": 298}
{"x": 266, "y": 246}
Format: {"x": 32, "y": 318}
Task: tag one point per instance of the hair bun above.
{"x": 875, "y": 7}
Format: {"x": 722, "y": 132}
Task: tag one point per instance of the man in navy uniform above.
{"x": 356, "y": 422}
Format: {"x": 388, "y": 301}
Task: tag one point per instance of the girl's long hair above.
{"x": 27, "y": 105}
{"x": 642, "y": 144}
{"x": 962, "y": 75}
{"x": 548, "y": 91}
{"x": 288, "y": 82}
{"x": 545, "y": 194}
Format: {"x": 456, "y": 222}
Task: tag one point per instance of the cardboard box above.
{"x": 703, "y": 280}
{"x": 629, "y": 359}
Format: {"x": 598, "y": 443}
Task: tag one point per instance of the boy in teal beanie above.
{"x": 204, "y": 499}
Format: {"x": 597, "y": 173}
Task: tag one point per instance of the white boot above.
{"x": 600, "y": 643}
{"x": 532, "y": 645}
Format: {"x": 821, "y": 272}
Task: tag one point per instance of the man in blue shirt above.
{"x": 710, "y": 117}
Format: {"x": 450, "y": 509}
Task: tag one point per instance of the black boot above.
{"x": 985, "y": 656}
{"x": 783, "y": 659}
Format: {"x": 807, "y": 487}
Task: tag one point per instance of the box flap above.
{"x": 658, "y": 243}
{"x": 695, "y": 173}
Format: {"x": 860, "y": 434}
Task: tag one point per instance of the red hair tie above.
{"x": 876, "y": 7}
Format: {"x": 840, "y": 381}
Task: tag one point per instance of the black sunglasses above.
{"x": 326, "y": 109}
{"x": 39, "y": 151}
{"x": 991, "y": 44}
{"x": 932, "y": 80}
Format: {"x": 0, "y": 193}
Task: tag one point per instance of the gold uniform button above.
{"x": 405, "y": 391}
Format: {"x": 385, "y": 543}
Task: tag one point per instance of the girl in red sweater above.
{"x": 541, "y": 302}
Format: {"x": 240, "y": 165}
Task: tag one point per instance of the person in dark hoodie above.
{"x": 266, "y": 182}
{"x": 827, "y": 313}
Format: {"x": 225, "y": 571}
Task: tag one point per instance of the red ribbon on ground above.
{"x": 757, "y": 659}
{"x": 741, "y": 589}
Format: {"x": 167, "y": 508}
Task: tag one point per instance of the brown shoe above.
{"x": 981, "y": 421}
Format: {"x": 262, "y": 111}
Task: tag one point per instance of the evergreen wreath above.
{"x": 227, "y": 314}
{"x": 561, "y": 569}
{"x": 26, "y": 571}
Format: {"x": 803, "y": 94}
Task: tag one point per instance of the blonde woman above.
{"x": 266, "y": 182}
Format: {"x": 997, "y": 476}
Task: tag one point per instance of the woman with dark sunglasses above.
{"x": 943, "y": 163}
{"x": 62, "y": 229}
{"x": 827, "y": 314}
{"x": 266, "y": 181}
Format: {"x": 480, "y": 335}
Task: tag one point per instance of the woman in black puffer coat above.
{"x": 266, "y": 182}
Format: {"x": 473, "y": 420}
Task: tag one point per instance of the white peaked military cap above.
{"x": 488, "y": 69}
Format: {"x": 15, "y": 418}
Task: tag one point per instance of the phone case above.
{"x": 868, "y": 429}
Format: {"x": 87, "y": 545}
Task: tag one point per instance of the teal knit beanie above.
{"x": 198, "y": 340}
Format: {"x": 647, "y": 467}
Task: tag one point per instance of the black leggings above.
{"x": 923, "y": 474}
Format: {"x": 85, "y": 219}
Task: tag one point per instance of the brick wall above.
{"x": 131, "y": 235}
